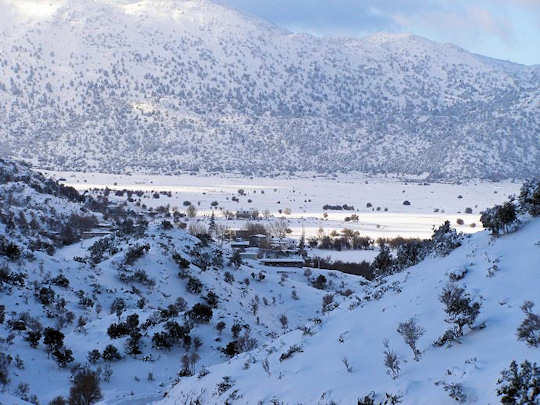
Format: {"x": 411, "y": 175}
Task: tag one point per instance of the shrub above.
{"x": 529, "y": 330}
{"x": 411, "y": 332}
{"x": 220, "y": 326}
{"x": 180, "y": 304}
{"x": 194, "y": 285}
{"x": 235, "y": 259}
{"x": 180, "y": 261}
{"x": 117, "y": 330}
{"x": 319, "y": 282}
{"x": 529, "y": 197}
{"x": 289, "y": 353}
{"x": 5, "y": 361}
{"x": 235, "y": 329}
{"x": 161, "y": 340}
{"x": 520, "y": 385}
{"x": 327, "y": 302}
{"x": 9, "y": 249}
{"x": 59, "y": 401}
{"x": 212, "y": 299}
{"x": 500, "y": 218}
{"x": 94, "y": 356}
{"x": 110, "y": 353}
{"x": 53, "y": 339}
{"x": 101, "y": 247}
{"x": 46, "y": 295}
{"x": 455, "y": 391}
{"x": 33, "y": 337}
{"x": 391, "y": 361}
{"x": 459, "y": 307}
{"x": 410, "y": 253}
{"x": 85, "y": 389}
{"x": 118, "y": 306}
{"x": 444, "y": 240}
{"x": 63, "y": 356}
{"x": 200, "y": 313}
{"x": 60, "y": 281}
{"x": 228, "y": 277}
{"x": 132, "y": 343}
{"x": 166, "y": 225}
{"x": 135, "y": 252}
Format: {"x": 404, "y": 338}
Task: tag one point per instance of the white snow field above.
{"x": 356, "y": 331}
{"x": 306, "y": 196}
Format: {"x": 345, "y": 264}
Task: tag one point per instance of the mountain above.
{"x": 176, "y": 85}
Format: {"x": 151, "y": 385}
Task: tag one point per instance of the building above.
{"x": 292, "y": 261}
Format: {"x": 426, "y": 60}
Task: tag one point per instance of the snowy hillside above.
{"x": 341, "y": 360}
{"x": 167, "y": 301}
{"x": 175, "y": 85}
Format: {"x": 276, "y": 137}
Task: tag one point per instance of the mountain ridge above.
{"x": 193, "y": 86}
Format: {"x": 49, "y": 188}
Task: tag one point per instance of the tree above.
{"x": 85, "y": 389}
{"x": 33, "y": 337}
{"x": 319, "y": 282}
{"x": 212, "y": 225}
{"x": 499, "y": 218}
{"x": 520, "y": 385}
{"x": 200, "y": 313}
{"x": 279, "y": 228}
{"x": 191, "y": 211}
{"x": 284, "y": 321}
{"x": 220, "y": 326}
{"x": 235, "y": 329}
{"x": 411, "y": 332}
{"x": 133, "y": 342}
{"x": 459, "y": 307}
{"x": 236, "y": 259}
{"x": 53, "y": 339}
{"x": 383, "y": 263}
{"x": 111, "y": 353}
{"x": 529, "y": 197}
{"x": 529, "y": 330}
{"x": 63, "y": 356}
{"x": 94, "y": 356}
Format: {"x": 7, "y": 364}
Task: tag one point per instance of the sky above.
{"x": 503, "y": 29}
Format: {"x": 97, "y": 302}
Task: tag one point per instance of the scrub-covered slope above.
{"x": 176, "y": 85}
{"x": 342, "y": 359}
{"x": 137, "y": 307}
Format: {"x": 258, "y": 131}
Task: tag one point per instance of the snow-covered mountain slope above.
{"x": 500, "y": 274}
{"x": 81, "y": 288}
{"x": 175, "y": 85}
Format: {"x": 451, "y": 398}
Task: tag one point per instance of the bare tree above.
{"x": 411, "y": 332}
{"x": 279, "y": 228}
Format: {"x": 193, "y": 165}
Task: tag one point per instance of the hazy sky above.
{"x": 505, "y": 29}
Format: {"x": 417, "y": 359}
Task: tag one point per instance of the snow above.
{"x": 318, "y": 375}
{"x": 306, "y": 196}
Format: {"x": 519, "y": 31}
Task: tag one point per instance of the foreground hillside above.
{"x": 137, "y": 307}
{"x": 177, "y": 85}
{"x": 342, "y": 359}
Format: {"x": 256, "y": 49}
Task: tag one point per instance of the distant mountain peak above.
{"x": 222, "y": 91}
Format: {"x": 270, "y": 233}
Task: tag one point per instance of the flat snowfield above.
{"x": 386, "y": 216}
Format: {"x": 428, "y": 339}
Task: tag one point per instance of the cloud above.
{"x": 492, "y": 27}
